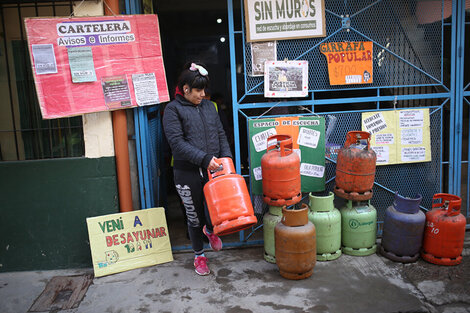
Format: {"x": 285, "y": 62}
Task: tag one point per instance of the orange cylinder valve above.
{"x": 228, "y": 200}
{"x": 355, "y": 167}
{"x": 280, "y": 168}
{"x": 444, "y": 233}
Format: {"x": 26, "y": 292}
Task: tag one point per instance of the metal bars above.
{"x": 24, "y": 135}
{"x": 409, "y": 72}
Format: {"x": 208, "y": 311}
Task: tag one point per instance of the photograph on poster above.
{"x": 284, "y": 79}
{"x": 260, "y": 53}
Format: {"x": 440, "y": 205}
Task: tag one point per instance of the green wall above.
{"x": 43, "y": 209}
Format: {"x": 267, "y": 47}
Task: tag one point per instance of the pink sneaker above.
{"x": 200, "y": 263}
{"x": 214, "y": 240}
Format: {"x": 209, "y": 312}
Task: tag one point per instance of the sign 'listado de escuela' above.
{"x": 349, "y": 62}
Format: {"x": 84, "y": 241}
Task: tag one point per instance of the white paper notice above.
{"x": 411, "y": 118}
{"x": 260, "y": 140}
{"x": 44, "y": 59}
{"x": 312, "y": 170}
{"x": 257, "y": 173}
{"x": 384, "y": 139}
{"x": 375, "y": 123}
{"x": 145, "y": 88}
{"x": 383, "y": 154}
{"x": 412, "y": 136}
{"x": 413, "y": 154}
{"x": 308, "y": 137}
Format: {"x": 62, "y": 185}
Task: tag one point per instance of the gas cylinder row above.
{"x": 289, "y": 236}
{"x": 294, "y": 239}
{"x": 355, "y": 175}
{"x": 437, "y": 236}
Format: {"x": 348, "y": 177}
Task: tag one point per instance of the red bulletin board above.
{"x": 108, "y": 50}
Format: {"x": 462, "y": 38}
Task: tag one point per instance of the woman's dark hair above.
{"x": 193, "y": 79}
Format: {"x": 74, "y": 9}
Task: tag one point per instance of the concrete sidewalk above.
{"x": 241, "y": 282}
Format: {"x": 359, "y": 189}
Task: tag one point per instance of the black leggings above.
{"x": 190, "y": 184}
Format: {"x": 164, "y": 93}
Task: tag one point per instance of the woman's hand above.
{"x": 213, "y": 165}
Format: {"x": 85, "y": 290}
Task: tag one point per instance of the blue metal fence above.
{"x": 410, "y": 71}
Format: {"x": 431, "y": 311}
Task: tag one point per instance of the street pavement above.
{"x": 241, "y": 281}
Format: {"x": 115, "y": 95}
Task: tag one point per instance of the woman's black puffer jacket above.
{"x": 195, "y": 133}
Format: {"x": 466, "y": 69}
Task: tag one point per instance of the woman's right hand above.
{"x": 213, "y": 165}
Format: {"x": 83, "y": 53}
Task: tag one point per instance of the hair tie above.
{"x": 194, "y": 67}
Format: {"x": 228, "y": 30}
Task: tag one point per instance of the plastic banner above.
{"x": 124, "y": 241}
{"x": 308, "y": 138}
{"x": 92, "y": 64}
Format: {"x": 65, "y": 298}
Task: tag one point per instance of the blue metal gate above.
{"x": 416, "y": 65}
{"x": 410, "y": 60}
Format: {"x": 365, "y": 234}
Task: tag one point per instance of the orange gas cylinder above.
{"x": 355, "y": 167}
{"x": 445, "y": 231}
{"x": 228, "y": 200}
{"x": 280, "y": 169}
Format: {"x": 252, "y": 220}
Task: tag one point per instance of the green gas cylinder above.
{"x": 327, "y": 221}
{"x": 270, "y": 220}
{"x": 359, "y": 228}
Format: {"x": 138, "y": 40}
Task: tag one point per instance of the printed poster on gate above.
{"x": 74, "y": 58}
{"x": 284, "y": 19}
{"x": 260, "y": 53}
{"x": 399, "y": 136}
{"x": 349, "y": 62}
{"x": 125, "y": 241}
{"x": 308, "y": 141}
{"x": 284, "y": 79}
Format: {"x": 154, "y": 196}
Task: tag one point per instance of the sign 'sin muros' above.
{"x": 284, "y": 19}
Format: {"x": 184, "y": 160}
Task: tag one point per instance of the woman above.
{"x": 196, "y": 138}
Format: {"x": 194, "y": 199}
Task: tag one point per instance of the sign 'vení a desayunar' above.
{"x": 125, "y": 241}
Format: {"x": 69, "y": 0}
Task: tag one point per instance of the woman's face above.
{"x": 194, "y": 95}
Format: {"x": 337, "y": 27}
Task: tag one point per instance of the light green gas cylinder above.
{"x": 359, "y": 228}
{"x": 270, "y": 220}
{"x": 327, "y": 221}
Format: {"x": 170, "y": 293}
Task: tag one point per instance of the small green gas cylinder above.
{"x": 270, "y": 220}
{"x": 359, "y": 228}
{"x": 327, "y": 221}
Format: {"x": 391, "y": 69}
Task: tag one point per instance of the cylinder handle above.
{"x": 356, "y": 136}
{"x": 281, "y": 142}
{"x": 448, "y": 202}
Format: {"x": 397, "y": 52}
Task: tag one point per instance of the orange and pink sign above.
{"x": 92, "y": 64}
{"x": 349, "y": 62}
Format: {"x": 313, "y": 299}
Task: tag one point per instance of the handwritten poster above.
{"x": 125, "y": 241}
{"x": 308, "y": 141}
{"x": 349, "y": 62}
{"x": 400, "y": 136}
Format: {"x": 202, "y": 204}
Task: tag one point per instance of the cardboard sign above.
{"x": 399, "y": 136}
{"x": 284, "y": 19}
{"x": 308, "y": 141}
{"x": 349, "y": 62}
{"x": 88, "y": 64}
{"x": 124, "y": 241}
